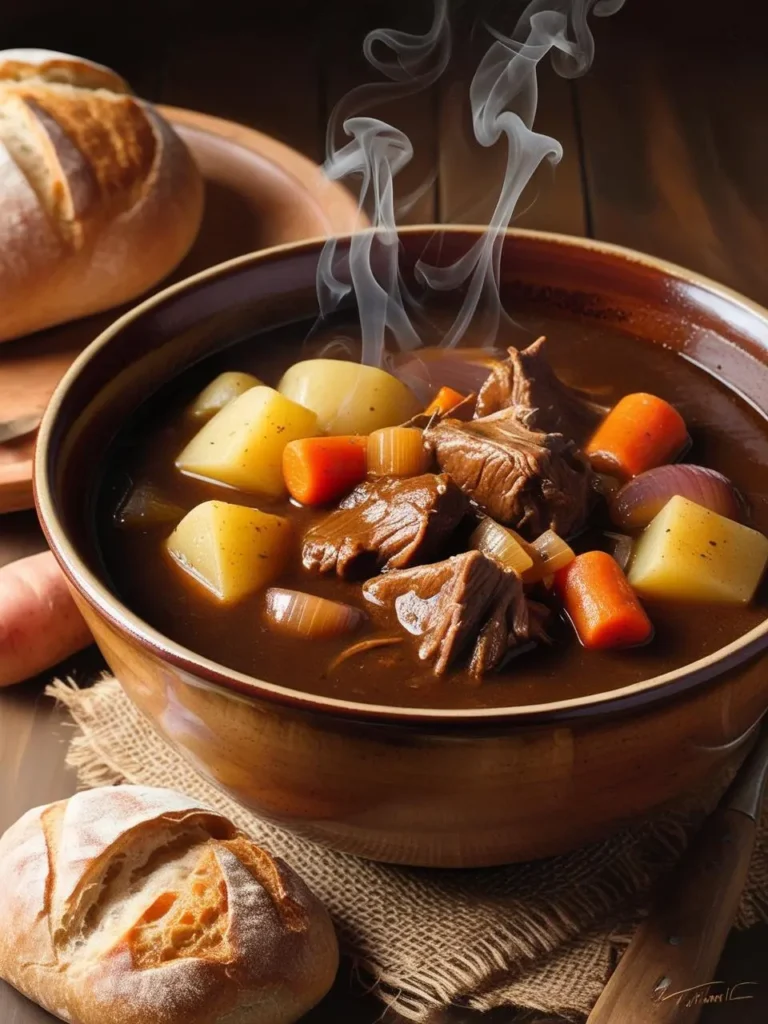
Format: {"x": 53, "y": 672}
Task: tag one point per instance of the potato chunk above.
{"x": 243, "y": 444}
{"x": 349, "y": 398}
{"x": 231, "y": 549}
{"x": 220, "y": 391}
{"x": 688, "y": 553}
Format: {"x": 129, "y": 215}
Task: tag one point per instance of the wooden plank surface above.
{"x": 238, "y": 69}
{"x": 130, "y": 48}
{"x": 675, "y": 140}
{"x": 345, "y": 68}
{"x": 471, "y": 176}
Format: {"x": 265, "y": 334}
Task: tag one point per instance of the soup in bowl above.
{"x": 467, "y": 606}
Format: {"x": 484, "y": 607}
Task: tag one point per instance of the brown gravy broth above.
{"x": 727, "y": 435}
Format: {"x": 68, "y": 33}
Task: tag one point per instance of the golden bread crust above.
{"x": 99, "y": 197}
{"x": 138, "y": 906}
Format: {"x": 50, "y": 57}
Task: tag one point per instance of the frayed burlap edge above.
{"x": 87, "y": 754}
{"x": 553, "y": 959}
{"x": 483, "y": 978}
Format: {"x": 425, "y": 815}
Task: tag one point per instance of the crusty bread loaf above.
{"x": 138, "y": 906}
{"x": 99, "y": 198}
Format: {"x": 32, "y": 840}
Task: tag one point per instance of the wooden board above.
{"x": 344, "y": 68}
{"x": 675, "y": 144}
{"x": 225, "y": 68}
{"x": 259, "y": 192}
{"x": 471, "y": 176}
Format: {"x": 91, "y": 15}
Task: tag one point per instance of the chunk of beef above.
{"x": 466, "y": 604}
{"x": 527, "y": 384}
{"x": 385, "y": 524}
{"x": 526, "y": 479}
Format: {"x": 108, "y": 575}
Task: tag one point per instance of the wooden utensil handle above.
{"x": 666, "y": 976}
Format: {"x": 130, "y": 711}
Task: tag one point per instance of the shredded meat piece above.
{"x": 526, "y": 479}
{"x": 385, "y": 524}
{"x": 465, "y": 603}
{"x": 527, "y": 383}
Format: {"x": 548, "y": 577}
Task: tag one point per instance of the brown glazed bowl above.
{"x": 420, "y": 787}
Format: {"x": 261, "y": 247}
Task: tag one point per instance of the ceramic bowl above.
{"x": 419, "y": 787}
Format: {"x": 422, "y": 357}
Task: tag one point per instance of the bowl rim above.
{"x": 97, "y": 594}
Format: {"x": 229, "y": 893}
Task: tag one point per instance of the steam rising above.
{"x": 376, "y": 153}
{"x": 503, "y": 101}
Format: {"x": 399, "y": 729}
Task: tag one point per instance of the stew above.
{"x": 463, "y": 529}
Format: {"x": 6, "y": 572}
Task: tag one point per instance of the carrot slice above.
{"x": 445, "y": 400}
{"x": 602, "y": 606}
{"x": 321, "y": 469}
{"x": 639, "y": 433}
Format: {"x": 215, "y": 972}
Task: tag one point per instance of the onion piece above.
{"x": 640, "y": 500}
{"x": 550, "y": 554}
{"x": 147, "y": 506}
{"x": 503, "y": 546}
{"x": 295, "y": 613}
{"x": 362, "y": 647}
{"x": 397, "y": 451}
{"x": 621, "y": 548}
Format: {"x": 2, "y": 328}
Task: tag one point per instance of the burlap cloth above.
{"x": 542, "y": 935}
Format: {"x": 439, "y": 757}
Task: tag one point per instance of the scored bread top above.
{"x": 88, "y": 833}
{"x": 142, "y": 898}
{"x": 18, "y": 65}
{"x": 99, "y": 196}
{"x": 88, "y": 154}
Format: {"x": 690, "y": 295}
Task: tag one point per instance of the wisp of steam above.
{"x": 503, "y": 100}
{"x": 376, "y": 153}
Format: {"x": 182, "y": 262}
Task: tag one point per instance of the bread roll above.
{"x": 138, "y": 906}
{"x": 99, "y": 198}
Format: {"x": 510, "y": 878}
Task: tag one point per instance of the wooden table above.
{"x": 666, "y": 150}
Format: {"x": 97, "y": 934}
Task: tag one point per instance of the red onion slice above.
{"x": 642, "y": 498}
